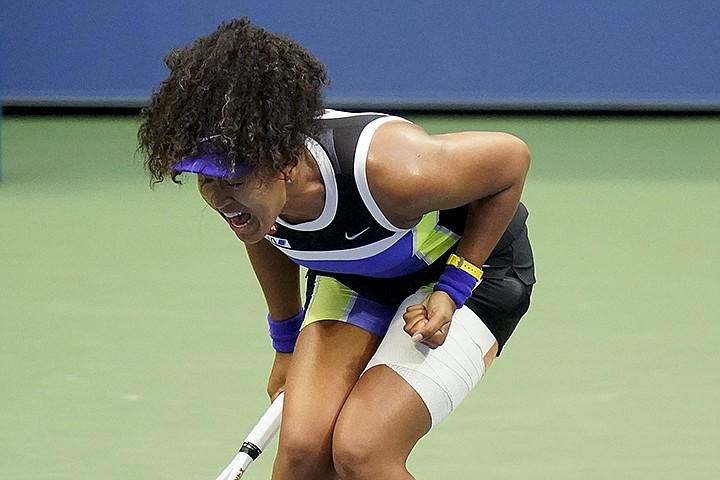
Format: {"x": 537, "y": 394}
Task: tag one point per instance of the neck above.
{"x": 306, "y": 194}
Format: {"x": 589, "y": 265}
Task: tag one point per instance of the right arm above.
{"x": 279, "y": 279}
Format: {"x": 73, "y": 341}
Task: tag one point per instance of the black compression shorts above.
{"x": 501, "y": 299}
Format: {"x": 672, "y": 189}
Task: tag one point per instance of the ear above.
{"x": 289, "y": 171}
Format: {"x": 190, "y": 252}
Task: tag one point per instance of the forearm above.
{"x": 487, "y": 220}
{"x": 279, "y": 279}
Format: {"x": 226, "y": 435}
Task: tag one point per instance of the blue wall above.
{"x": 494, "y": 53}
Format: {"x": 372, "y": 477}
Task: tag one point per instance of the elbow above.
{"x": 521, "y": 155}
{"x": 526, "y": 155}
{"x": 517, "y": 159}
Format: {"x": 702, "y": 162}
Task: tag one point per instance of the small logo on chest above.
{"x": 279, "y": 242}
{"x": 355, "y": 235}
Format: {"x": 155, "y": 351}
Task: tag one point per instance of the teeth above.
{"x": 231, "y": 215}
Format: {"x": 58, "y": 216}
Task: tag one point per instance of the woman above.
{"x": 396, "y": 227}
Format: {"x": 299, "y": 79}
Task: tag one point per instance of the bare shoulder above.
{"x": 393, "y": 167}
{"x": 411, "y": 172}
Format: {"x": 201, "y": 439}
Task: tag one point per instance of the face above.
{"x": 249, "y": 205}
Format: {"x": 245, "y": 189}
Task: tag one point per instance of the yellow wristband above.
{"x": 462, "y": 264}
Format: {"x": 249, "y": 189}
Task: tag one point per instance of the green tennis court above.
{"x": 133, "y": 342}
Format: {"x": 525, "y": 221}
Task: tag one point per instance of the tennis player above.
{"x": 419, "y": 264}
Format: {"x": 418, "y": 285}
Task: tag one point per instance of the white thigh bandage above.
{"x": 444, "y": 376}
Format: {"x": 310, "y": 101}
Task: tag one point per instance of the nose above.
{"x": 217, "y": 197}
{"x": 222, "y": 199}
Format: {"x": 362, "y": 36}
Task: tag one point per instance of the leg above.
{"x": 408, "y": 389}
{"x": 377, "y": 429}
{"x": 328, "y": 359}
{"x": 378, "y": 447}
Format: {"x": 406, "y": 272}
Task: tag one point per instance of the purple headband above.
{"x": 211, "y": 165}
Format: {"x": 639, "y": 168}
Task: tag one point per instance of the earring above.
{"x": 289, "y": 180}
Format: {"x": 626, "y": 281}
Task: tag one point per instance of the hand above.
{"x": 429, "y": 322}
{"x": 278, "y": 374}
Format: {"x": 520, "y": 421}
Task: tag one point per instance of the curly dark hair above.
{"x": 259, "y": 93}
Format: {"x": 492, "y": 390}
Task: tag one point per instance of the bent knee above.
{"x": 353, "y": 459}
{"x": 301, "y": 447}
{"x": 355, "y": 447}
{"x": 357, "y": 454}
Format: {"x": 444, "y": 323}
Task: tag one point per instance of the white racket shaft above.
{"x": 256, "y": 441}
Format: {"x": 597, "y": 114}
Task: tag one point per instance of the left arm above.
{"x": 412, "y": 173}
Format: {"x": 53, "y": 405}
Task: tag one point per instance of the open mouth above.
{"x": 238, "y": 220}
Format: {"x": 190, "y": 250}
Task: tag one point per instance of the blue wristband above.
{"x": 457, "y": 283}
{"x": 284, "y": 333}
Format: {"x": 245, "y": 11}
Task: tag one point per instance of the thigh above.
{"x": 407, "y": 389}
{"x": 444, "y": 376}
{"x": 328, "y": 360}
{"x": 380, "y": 423}
{"x": 341, "y": 332}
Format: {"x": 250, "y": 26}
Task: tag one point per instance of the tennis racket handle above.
{"x": 268, "y": 425}
{"x": 256, "y": 441}
{"x": 239, "y": 466}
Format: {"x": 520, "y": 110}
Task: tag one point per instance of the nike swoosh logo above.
{"x": 353, "y": 237}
